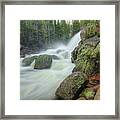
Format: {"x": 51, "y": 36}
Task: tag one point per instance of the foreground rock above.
{"x": 72, "y": 86}
{"x": 43, "y": 62}
{"x": 86, "y": 57}
{"x": 27, "y": 61}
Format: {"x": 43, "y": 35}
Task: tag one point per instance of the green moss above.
{"x": 43, "y": 61}
{"x": 86, "y": 55}
{"x": 88, "y": 94}
{"x": 88, "y": 59}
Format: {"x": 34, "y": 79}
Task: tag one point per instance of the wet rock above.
{"x": 87, "y": 56}
{"x": 43, "y": 62}
{"x": 72, "y": 86}
{"x": 27, "y": 61}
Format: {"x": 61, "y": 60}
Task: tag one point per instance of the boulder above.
{"x": 84, "y": 81}
{"x": 43, "y": 62}
{"x": 28, "y": 60}
{"x": 72, "y": 86}
{"x": 87, "y": 56}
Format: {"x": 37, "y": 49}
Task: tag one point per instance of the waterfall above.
{"x": 74, "y": 42}
{"x": 42, "y": 84}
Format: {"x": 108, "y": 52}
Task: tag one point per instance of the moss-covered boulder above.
{"x": 84, "y": 81}
{"x": 28, "y": 60}
{"x": 87, "y": 56}
{"x": 43, "y": 62}
{"x": 72, "y": 86}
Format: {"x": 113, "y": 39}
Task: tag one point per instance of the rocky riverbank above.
{"x": 84, "y": 82}
{"x": 80, "y": 76}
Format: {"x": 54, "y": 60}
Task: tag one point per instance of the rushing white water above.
{"x": 42, "y": 84}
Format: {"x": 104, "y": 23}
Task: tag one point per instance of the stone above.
{"x": 87, "y": 56}
{"x": 28, "y": 60}
{"x": 43, "y": 62}
{"x": 72, "y": 86}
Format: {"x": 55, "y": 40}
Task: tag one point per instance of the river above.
{"x": 42, "y": 84}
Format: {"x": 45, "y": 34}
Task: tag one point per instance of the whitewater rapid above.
{"x": 42, "y": 84}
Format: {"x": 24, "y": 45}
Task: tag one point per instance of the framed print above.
{"x": 60, "y": 59}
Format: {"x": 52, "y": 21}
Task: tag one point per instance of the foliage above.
{"x": 42, "y": 34}
{"x": 88, "y": 93}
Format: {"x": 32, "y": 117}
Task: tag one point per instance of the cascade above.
{"x": 42, "y": 84}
